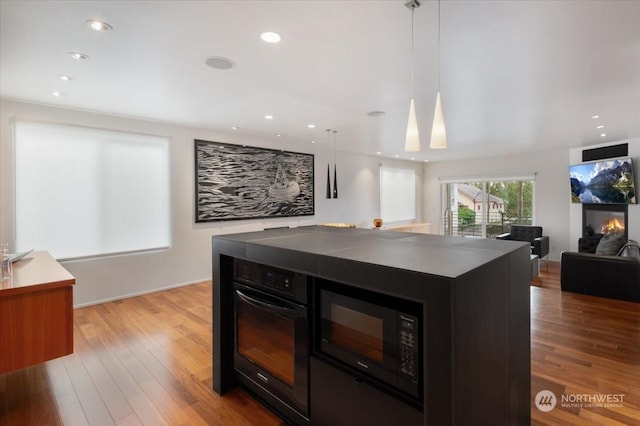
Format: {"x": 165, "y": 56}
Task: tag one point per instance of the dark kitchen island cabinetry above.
{"x": 472, "y": 298}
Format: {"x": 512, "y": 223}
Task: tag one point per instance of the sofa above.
{"x": 531, "y": 234}
{"x": 615, "y": 276}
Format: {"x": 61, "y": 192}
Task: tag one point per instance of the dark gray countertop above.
{"x": 438, "y": 255}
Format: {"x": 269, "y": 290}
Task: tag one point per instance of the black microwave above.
{"x": 375, "y": 335}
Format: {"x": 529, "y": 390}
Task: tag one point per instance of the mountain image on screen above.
{"x": 608, "y": 181}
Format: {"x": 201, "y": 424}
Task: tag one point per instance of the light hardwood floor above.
{"x": 147, "y": 360}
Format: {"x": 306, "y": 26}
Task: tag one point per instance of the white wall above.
{"x": 551, "y": 194}
{"x": 189, "y": 258}
{"x": 575, "y": 157}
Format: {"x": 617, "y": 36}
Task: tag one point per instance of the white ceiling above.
{"x": 516, "y": 76}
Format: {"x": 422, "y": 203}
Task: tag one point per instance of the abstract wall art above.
{"x": 243, "y": 182}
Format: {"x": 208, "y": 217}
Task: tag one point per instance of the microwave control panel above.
{"x": 408, "y": 345}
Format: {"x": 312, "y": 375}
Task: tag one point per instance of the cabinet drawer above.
{"x": 338, "y": 399}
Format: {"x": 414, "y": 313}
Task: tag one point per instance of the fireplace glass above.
{"x": 600, "y": 219}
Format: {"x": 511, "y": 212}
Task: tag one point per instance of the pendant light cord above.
{"x": 335, "y": 137}
{"x": 438, "y": 45}
{"x": 328, "y": 145}
{"x": 413, "y": 9}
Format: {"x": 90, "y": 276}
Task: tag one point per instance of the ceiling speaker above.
{"x": 220, "y": 63}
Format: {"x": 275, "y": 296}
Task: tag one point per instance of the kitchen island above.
{"x": 472, "y": 302}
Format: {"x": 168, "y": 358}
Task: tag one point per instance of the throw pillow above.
{"x": 610, "y": 244}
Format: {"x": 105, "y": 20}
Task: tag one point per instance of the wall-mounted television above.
{"x": 609, "y": 181}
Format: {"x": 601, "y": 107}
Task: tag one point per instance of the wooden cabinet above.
{"x": 36, "y": 313}
{"x": 419, "y": 228}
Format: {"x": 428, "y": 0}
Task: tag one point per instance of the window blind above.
{"x": 87, "y": 192}
{"x": 397, "y": 194}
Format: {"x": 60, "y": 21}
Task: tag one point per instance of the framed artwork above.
{"x": 244, "y": 182}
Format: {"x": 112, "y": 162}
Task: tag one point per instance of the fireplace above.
{"x": 599, "y": 219}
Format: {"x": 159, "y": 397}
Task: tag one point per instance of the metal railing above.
{"x": 471, "y": 227}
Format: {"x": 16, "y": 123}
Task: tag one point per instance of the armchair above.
{"x": 588, "y": 244}
{"x": 531, "y": 234}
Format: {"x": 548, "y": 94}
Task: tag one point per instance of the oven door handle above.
{"x": 266, "y": 305}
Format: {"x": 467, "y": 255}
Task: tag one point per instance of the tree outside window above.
{"x": 486, "y": 208}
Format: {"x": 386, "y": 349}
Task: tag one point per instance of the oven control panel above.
{"x": 278, "y": 280}
{"x": 408, "y": 345}
{"x": 264, "y": 276}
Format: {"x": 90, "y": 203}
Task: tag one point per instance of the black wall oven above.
{"x": 271, "y": 338}
{"x": 375, "y": 335}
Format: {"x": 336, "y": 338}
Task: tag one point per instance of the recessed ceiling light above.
{"x": 397, "y": 156}
{"x": 66, "y": 77}
{"x": 55, "y": 93}
{"x": 219, "y": 63}
{"x": 313, "y": 141}
{"x": 278, "y": 134}
{"x": 311, "y": 126}
{"x": 600, "y": 126}
{"x": 426, "y": 161}
{"x": 602, "y": 135}
{"x": 78, "y": 55}
{"x": 234, "y": 128}
{"x": 270, "y": 37}
{"x": 413, "y": 158}
{"x": 99, "y": 25}
{"x": 595, "y": 116}
{"x": 378, "y": 153}
{"x": 268, "y": 117}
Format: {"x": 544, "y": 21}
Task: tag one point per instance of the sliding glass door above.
{"x": 485, "y": 208}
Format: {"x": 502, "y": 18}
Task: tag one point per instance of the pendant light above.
{"x": 335, "y": 166}
{"x": 328, "y": 166}
{"x": 438, "y": 132}
{"x": 412, "y": 139}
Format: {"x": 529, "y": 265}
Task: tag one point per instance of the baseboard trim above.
{"x": 140, "y": 293}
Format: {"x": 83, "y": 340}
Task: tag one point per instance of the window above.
{"x": 496, "y": 205}
{"x": 397, "y": 194}
{"x": 87, "y": 192}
